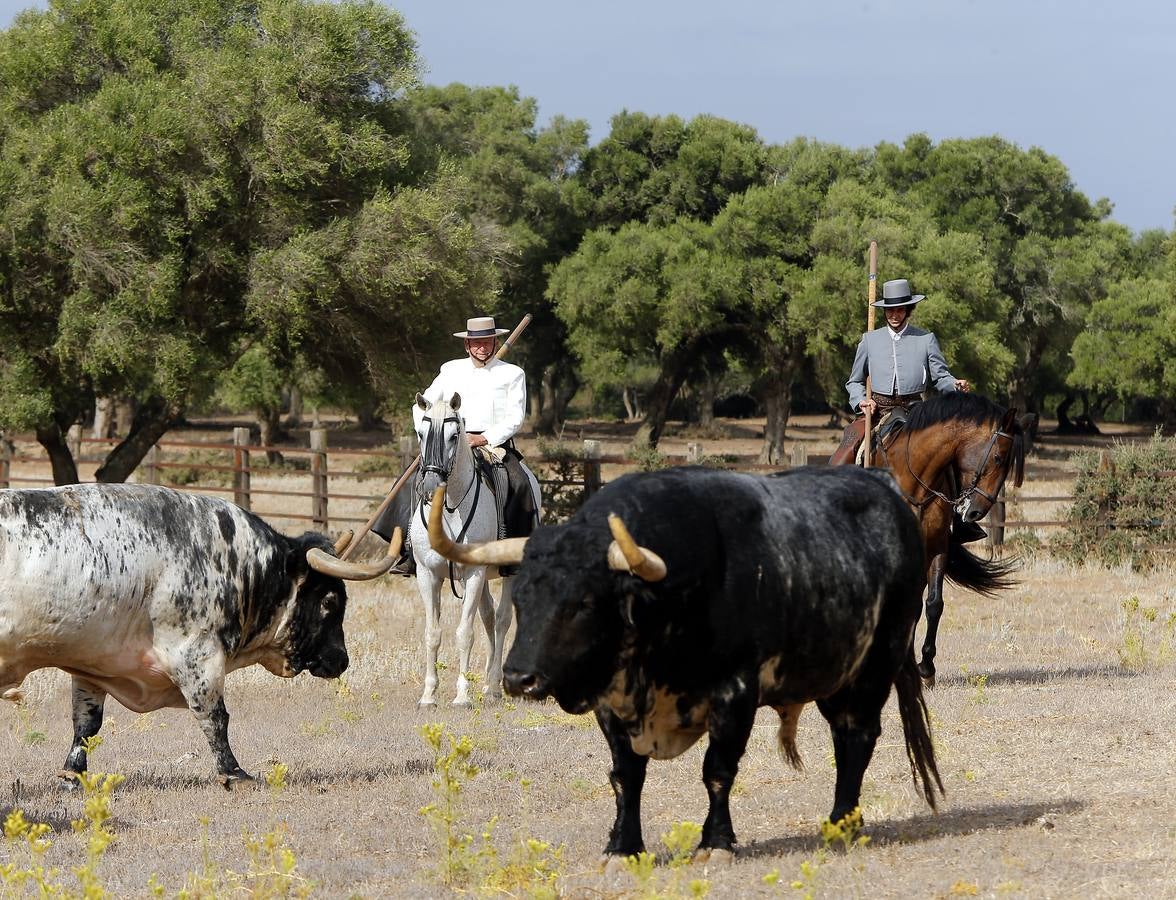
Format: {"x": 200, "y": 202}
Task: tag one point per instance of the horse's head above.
{"x": 442, "y": 436}
{"x": 984, "y": 459}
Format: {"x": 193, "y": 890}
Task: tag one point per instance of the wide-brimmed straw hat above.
{"x": 898, "y": 293}
{"x": 480, "y": 327}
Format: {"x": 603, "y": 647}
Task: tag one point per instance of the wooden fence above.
{"x": 343, "y": 484}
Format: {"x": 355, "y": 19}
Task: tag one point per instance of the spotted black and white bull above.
{"x": 743, "y": 591}
{"x": 153, "y": 596}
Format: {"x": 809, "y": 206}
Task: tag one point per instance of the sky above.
{"x": 1088, "y": 81}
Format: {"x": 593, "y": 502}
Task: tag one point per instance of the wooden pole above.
{"x": 872, "y": 293}
{"x": 241, "y": 471}
{"x": 318, "y": 478}
{"x": 412, "y": 466}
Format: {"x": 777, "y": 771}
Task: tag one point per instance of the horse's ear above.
{"x": 455, "y": 402}
{"x": 1009, "y": 420}
{"x": 422, "y": 402}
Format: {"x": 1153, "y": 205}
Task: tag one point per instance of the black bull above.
{"x": 779, "y": 591}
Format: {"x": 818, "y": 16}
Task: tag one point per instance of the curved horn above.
{"x": 508, "y": 552}
{"x": 343, "y": 541}
{"x": 321, "y": 561}
{"x": 625, "y": 556}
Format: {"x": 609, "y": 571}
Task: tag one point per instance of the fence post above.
{"x": 799, "y": 454}
{"x": 241, "y": 470}
{"x": 693, "y": 453}
{"x": 318, "y": 478}
{"x": 151, "y": 465}
{"x": 592, "y": 481}
{"x": 408, "y": 450}
{"x": 73, "y": 439}
{"x": 5, "y": 462}
{"x": 996, "y": 521}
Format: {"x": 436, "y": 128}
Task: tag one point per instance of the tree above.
{"x": 645, "y": 292}
{"x": 1024, "y": 208}
{"x": 522, "y": 179}
{"x": 1128, "y": 345}
{"x": 158, "y": 159}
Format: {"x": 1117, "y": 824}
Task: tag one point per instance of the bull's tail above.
{"x": 984, "y": 576}
{"x": 916, "y": 728}
{"x": 786, "y": 736}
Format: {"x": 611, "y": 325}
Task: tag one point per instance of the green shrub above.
{"x": 1123, "y": 503}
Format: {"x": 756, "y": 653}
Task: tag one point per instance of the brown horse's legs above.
{"x": 934, "y": 607}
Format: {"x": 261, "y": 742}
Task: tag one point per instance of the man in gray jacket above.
{"x": 903, "y": 361}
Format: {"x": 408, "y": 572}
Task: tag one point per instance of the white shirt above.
{"x": 493, "y": 396}
{"x": 895, "y": 337}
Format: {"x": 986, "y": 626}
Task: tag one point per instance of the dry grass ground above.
{"x": 1054, "y": 722}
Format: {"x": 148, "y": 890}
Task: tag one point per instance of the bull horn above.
{"x": 624, "y": 555}
{"x": 321, "y": 561}
{"x": 508, "y": 552}
{"x": 343, "y": 541}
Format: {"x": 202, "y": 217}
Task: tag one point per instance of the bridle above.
{"x": 967, "y": 493}
{"x": 433, "y": 460}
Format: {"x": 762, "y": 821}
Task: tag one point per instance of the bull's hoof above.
{"x": 714, "y": 857}
{"x": 927, "y": 673}
{"x": 234, "y": 779}
{"x": 69, "y": 780}
{"x": 613, "y": 864}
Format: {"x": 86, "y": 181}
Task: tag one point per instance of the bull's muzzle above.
{"x": 531, "y": 685}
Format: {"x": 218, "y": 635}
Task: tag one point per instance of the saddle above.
{"x": 853, "y": 447}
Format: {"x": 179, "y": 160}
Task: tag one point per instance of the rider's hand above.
{"x": 867, "y": 406}
{"x": 476, "y": 440}
{"x": 962, "y": 385}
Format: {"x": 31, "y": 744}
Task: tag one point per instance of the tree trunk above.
{"x": 104, "y": 420}
{"x": 65, "y": 468}
{"x": 708, "y": 390}
{"x": 125, "y": 410}
{"x": 152, "y": 420}
{"x": 368, "y": 415}
{"x": 269, "y": 426}
{"x": 632, "y": 403}
{"x": 778, "y": 406}
{"x": 665, "y": 389}
{"x": 294, "y": 416}
{"x": 557, "y": 387}
{"x": 776, "y": 393}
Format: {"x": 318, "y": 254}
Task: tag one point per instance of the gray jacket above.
{"x": 915, "y": 358}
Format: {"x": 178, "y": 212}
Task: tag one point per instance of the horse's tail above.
{"x": 916, "y": 728}
{"x": 985, "y": 576}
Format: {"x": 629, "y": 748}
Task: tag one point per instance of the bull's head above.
{"x": 624, "y": 554}
{"x": 573, "y": 619}
{"x": 316, "y": 640}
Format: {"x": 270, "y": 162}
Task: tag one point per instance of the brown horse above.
{"x": 953, "y": 456}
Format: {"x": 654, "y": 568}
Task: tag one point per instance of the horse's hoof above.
{"x": 426, "y": 704}
{"x": 715, "y": 857}
{"x": 235, "y": 779}
{"x": 462, "y": 704}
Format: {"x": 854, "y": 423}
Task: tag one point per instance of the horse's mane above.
{"x": 970, "y": 409}
{"x": 955, "y": 406}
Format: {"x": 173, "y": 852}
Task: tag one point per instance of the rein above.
{"x": 433, "y": 458}
{"x": 966, "y": 493}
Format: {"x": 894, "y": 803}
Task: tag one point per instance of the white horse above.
{"x": 470, "y": 515}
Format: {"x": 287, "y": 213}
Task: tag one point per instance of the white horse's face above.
{"x": 441, "y": 433}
